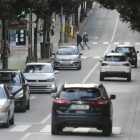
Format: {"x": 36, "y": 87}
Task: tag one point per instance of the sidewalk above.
{"x": 17, "y": 61}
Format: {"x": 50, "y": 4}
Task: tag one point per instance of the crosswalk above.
{"x": 116, "y": 43}
{"x": 47, "y": 129}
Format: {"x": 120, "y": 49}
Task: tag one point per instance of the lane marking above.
{"x": 20, "y": 128}
{"x": 97, "y": 57}
{"x": 105, "y": 42}
{"x": 25, "y": 136}
{"x": 137, "y": 44}
{"x": 95, "y": 43}
{"x": 126, "y": 43}
{"x": 138, "y": 58}
{"x": 116, "y": 43}
{"x": 116, "y": 130}
{"x": 46, "y": 129}
{"x": 46, "y": 119}
{"x": 33, "y": 97}
{"x": 83, "y": 56}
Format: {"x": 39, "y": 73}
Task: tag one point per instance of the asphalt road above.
{"x": 105, "y": 31}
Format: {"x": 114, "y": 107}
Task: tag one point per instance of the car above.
{"x": 82, "y": 105}
{"x": 130, "y": 52}
{"x": 67, "y": 57}
{"x": 17, "y": 86}
{"x": 6, "y": 107}
{"x": 115, "y": 65}
{"x": 41, "y": 77}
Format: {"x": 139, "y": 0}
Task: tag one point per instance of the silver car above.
{"x": 41, "y": 77}
{"x": 6, "y": 107}
{"x": 67, "y": 57}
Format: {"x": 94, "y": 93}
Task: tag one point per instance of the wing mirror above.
{"x": 11, "y": 97}
{"x": 112, "y": 51}
{"x": 25, "y": 85}
{"x": 54, "y": 95}
{"x": 100, "y": 60}
{"x": 137, "y": 51}
{"x": 81, "y": 54}
{"x": 112, "y": 96}
{"x": 56, "y": 72}
{"x": 53, "y": 53}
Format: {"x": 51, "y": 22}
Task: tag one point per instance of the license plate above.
{"x": 36, "y": 85}
{"x": 79, "y": 107}
{"x": 66, "y": 62}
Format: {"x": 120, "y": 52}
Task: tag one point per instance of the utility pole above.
{"x": 61, "y": 28}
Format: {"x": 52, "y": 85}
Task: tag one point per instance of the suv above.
{"x": 82, "y": 105}
{"x": 115, "y": 65}
{"x": 130, "y": 52}
{"x": 16, "y": 84}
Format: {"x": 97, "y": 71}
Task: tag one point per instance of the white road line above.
{"x": 95, "y": 43}
{"x": 105, "y": 42}
{"x": 116, "y": 43}
{"x": 25, "y": 136}
{"x": 46, "y": 129}
{"x": 138, "y": 58}
{"x": 116, "y": 130}
{"x": 33, "y": 97}
{"x": 97, "y": 57}
{"x": 79, "y": 130}
{"x": 20, "y": 128}
{"x": 137, "y": 44}
{"x": 83, "y": 56}
{"x": 126, "y": 43}
{"x": 46, "y": 119}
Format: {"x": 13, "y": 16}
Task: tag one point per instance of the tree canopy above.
{"x": 129, "y": 10}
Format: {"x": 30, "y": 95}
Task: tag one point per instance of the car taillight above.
{"x": 100, "y": 102}
{"x": 104, "y": 64}
{"x": 134, "y": 54}
{"x": 126, "y": 64}
{"x": 60, "y": 101}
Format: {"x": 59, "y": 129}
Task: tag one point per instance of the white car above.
{"x": 41, "y": 77}
{"x": 115, "y": 65}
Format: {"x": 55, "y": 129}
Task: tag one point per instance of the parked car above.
{"x": 67, "y": 57}
{"x": 115, "y": 65}
{"x": 82, "y": 105}
{"x": 130, "y": 52}
{"x": 17, "y": 86}
{"x": 41, "y": 77}
{"x": 6, "y": 107}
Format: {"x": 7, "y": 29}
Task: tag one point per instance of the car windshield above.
{"x": 125, "y": 49}
{"x": 67, "y": 51}
{"x": 2, "y": 95}
{"x": 115, "y": 58}
{"x": 38, "y": 69}
{"x": 9, "y": 77}
{"x": 79, "y": 93}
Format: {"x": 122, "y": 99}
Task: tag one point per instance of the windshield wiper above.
{"x": 82, "y": 97}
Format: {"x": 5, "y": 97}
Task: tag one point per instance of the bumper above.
{"x": 68, "y": 65}
{"x": 19, "y": 103}
{"x": 114, "y": 74}
{"x": 3, "y": 117}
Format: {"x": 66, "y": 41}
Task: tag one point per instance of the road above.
{"x": 105, "y": 31}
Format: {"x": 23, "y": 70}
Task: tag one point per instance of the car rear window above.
{"x": 67, "y": 51}
{"x": 80, "y": 93}
{"x": 2, "y": 95}
{"x": 125, "y": 49}
{"x": 115, "y": 58}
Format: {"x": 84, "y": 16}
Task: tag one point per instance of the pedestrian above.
{"x": 85, "y": 40}
{"x": 79, "y": 40}
{"x": 41, "y": 34}
{"x": 52, "y": 28}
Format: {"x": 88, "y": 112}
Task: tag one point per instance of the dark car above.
{"x": 130, "y": 52}
{"x": 16, "y": 84}
{"x": 82, "y": 105}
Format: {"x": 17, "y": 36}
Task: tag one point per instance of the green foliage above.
{"x": 129, "y": 10}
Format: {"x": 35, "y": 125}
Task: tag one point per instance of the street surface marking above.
{"x": 138, "y": 58}
{"x": 116, "y": 43}
{"x": 46, "y": 119}
{"x": 83, "y": 56}
{"x": 20, "y": 128}
{"x": 116, "y": 130}
{"x": 97, "y": 57}
{"x": 127, "y": 43}
{"x": 25, "y": 136}
{"x": 46, "y": 129}
{"x": 105, "y": 42}
{"x": 83, "y": 130}
{"x": 33, "y": 97}
{"x": 95, "y": 43}
{"x": 137, "y": 44}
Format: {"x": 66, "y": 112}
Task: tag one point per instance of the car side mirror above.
{"x": 56, "y": 72}
{"x": 11, "y": 97}
{"x": 81, "y": 54}
{"x": 53, "y": 53}
{"x": 100, "y": 60}
{"x": 25, "y": 85}
{"x": 112, "y": 51}
{"x": 54, "y": 95}
{"x": 137, "y": 51}
{"x": 112, "y": 96}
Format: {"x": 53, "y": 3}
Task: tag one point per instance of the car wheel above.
{"x": 107, "y": 129}
{"x": 28, "y": 105}
{"x": 78, "y": 68}
{"x": 24, "y": 108}
{"x": 6, "y": 125}
{"x": 12, "y": 120}
{"x": 129, "y": 77}
{"x": 101, "y": 77}
{"x": 136, "y": 65}
{"x": 55, "y": 130}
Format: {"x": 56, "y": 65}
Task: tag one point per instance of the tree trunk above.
{"x": 76, "y": 20}
{"x": 81, "y": 13}
{"x": 66, "y": 29}
{"x": 35, "y": 44}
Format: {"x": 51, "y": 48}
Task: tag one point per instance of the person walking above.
{"x": 85, "y": 40}
{"x": 41, "y": 34}
{"x": 79, "y": 40}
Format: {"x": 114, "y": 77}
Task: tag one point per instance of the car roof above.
{"x": 80, "y": 85}
{"x": 125, "y": 46}
{"x": 115, "y": 54}
{"x": 67, "y": 46}
{"x": 38, "y": 64}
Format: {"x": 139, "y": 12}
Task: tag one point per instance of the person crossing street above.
{"x": 79, "y": 40}
{"x": 85, "y": 40}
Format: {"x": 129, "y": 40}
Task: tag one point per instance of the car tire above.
{"x": 106, "y": 129}
{"x": 136, "y": 65}
{"x": 11, "y": 121}
{"x": 55, "y": 130}
{"x": 129, "y": 77}
{"x": 78, "y": 68}
{"x": 24, "y": 108}
{"x": 101, "y": 77}
{"x": 28, "y": 105}
{"x": 6, "y": 125}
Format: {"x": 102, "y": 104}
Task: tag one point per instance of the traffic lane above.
{"x": 101, "y": 24}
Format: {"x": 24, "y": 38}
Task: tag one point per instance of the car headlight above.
{"x": 75, "y": 59}
{"x": 2, "y": 109}
{"x": 57, "y": 59}
{"x": 19, "y": 94}
{"x": 50, "y": 80}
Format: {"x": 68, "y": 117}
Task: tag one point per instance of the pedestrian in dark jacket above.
{"x": 41, "y": 34}
{"x": 79, "y": 40}
{"x": 85, "y": 40}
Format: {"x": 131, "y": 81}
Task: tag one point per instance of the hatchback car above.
{"x": 130, "y": 52}
{"x": 67, "y": 57}
{"x": 115, "y": 65}
{"x": 41, "y": 77}
{"x": 6, "y": 107}
{"x": 82, "y": 105}
{"x": 16, "y": 84}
